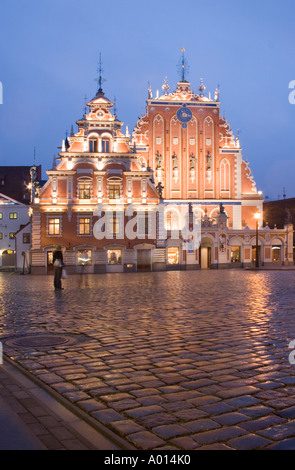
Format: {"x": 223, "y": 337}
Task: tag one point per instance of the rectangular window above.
{"x": 1, "y": 236}
{"x": 114, "y": 191}
{"x": 113, "y": 225}
{"x": 235, "y": 254}
{"x": 54, "y": 226}
{"x": 13, "y": 215}
{"x": 114, "y": 256}
{"x": 84, "y": 226}
{"x": 1, "y": 215}
{"x": 84, "y": 257}
{"x": 173, "y": 255}
{"x": 84, "y": 190}
{"x": 26, "y": 238}
{"x": 11, "y": 235}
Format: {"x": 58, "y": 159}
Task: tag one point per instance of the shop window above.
{"x": 276, "y": 253}
{"x": 84, "y": 226}
{"x": 54, "y": 226}
{"x": 84, "y": 257}
{"x": 173, "y": 255}
{"x": 114, "y": 257}
{"x": 235, "y": 254}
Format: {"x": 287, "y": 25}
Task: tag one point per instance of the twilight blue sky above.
{"x": 49, "y": 53}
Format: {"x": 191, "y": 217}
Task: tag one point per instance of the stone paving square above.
{"x": 181, "y": 360}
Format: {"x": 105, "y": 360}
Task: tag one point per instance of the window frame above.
{"x": 49, "y": 224}
{"x": 84, "y": 224}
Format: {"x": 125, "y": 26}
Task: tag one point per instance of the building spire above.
{"x": 100, "y": 80}
{"x": 183, "y": 66}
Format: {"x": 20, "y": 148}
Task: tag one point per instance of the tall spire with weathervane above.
{"x": 183, "y": 66}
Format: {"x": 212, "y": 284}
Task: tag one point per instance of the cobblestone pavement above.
{"x": 170, "y": 360}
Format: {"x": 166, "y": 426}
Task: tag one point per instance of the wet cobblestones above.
{"x": 185, "y": 360}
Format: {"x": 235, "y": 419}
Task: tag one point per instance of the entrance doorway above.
{"x": 205, "y": 253}
{"x": 205, "y": 257}
{"x": 49, "y": 262}
{"x": 143, "y": 260}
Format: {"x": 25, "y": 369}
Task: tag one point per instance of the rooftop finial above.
{"x": 165, "y": 87}
{"x": 100, "y": 79}
{"x": 183, "y": 66}
{"x": 202, "y": 87}
{"x": 115, "y": 106}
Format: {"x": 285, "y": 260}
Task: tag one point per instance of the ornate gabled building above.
{"x": 197, "y": 161}
{"x": 83, "y": 205}
{"x": 177, "y": 194}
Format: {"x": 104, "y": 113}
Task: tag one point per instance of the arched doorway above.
{"x": 206, "y": 253}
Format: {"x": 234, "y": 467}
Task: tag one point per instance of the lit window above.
{"x": 235, "y": 254}
{"x": 173, "y": 255}
{"x": 1, "y": 236}
{"x": 114, "y": 256}
{"x": 84, "y": 226}
{"x": 11, "y": 235}
{"x": 172, "y": 220}
{"x": 13, "y": 215}
{"x": 1, "y": 215}
{"x": 84, "y": 190}
{"x": 84, "y": 257}
{"x": 114, "y": 191}
{"x": 54, "y": 226}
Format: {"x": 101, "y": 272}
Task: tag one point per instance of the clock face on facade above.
{"x": 184, "y": 114}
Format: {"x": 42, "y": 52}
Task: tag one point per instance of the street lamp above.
{"x": 257, "y": 217}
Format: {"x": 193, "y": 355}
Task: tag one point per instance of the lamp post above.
{"x": 257, "y": 217}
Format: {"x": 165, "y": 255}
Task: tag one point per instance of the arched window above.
{"x": 93, "y": 145}
{"x": 225, "y": 175}
{"x": 105, "y": 145}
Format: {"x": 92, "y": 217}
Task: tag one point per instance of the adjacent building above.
{"x": 13, "y": 216}
{"x": 15, "y": 182}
